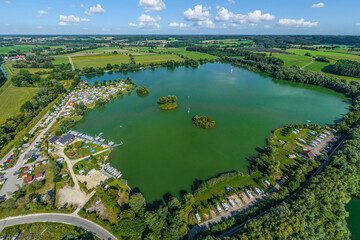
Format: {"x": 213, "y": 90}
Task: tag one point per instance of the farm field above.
{"x": 101, "y": 50}
{"x": 22, "y": 48}
{"x": 156, "y": 58}
{"x": 188, "y": 54}
{"x": 99, "y": 61}
{"x": 9, "y": 104}
{"x": 291, "y": 60}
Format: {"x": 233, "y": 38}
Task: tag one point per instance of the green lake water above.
{"x": 353, "y": 221}
{"x": 163, "y": 152}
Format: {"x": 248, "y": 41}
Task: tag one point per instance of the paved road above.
{"x": 71, "y": 62}
{"x": 99, "y": 231}
{"x": 12, "y": 181}
{"x": 307, "y": 182}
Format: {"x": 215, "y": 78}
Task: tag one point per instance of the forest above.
{"x": 346, "y": 68}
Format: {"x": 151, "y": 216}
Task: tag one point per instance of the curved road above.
{"x": 92, "y": 227}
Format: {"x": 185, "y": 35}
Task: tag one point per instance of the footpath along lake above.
{"x": 163, "y": 152}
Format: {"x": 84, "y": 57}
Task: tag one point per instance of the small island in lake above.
{"x": 142, "y": 91}
{"x": 168, "y": 103}
{"x": 203, "y": 122}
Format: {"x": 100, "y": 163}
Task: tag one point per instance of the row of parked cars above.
{"x": 9, "y": 160}
{"x": 225, "y": 204}
{"x": 331, "y": 144}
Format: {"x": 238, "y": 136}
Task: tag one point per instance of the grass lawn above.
{"x": 60, "y": 60}
{"x": 91, "y": 164}
{"x": 322, "y": 67}
{"x": 53, "y": 231}
{"x": 66, "y": 83}
{"x": 81, "y": 151}
{"x": 156, "y": 58}
{"x": 99, "y": 60}
{"x": 31, "y": 70}
{"x": 291, "y": 60}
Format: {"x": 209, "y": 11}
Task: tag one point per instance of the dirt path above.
{"x": 74, "y": 161}
{"x": 71, "y": 62}
{"x": 307, "y": 64}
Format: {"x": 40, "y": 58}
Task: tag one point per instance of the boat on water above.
{"x": 308, "y": 120}
{"x": 188, "y": 109}
{"x": 231, "y": 70}
{"x": 111, "y": 143}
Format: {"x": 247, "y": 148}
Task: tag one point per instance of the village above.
{"x": 82, "y": 158}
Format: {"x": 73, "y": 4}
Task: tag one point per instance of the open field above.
{"x": 11, "y": 97}
{"x": 99, "y": 61}
{"x": 293, "y": 60}
{"x": 31, "y": 70}
{"x": 60, "y": 60}
{"x": 156, "y": 58}
{"x": 22, "y": 48}
{"x": 188, "y": 54}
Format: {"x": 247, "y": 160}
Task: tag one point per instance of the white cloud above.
{"x": 205, "y": 24}
{"x": 42, "y": 12}
{"x": 50, "y": 8}
{"x": 95, "y": 9}
{"x": 301, "y": 23}
{"x": 252, "y": 18}
{"x": 39, "y": 27}
{"x": 178, "y": 25}
{"x": 82, "y": 5}
{"x": 152, "y": 5}
{"x": 357, "y": 24}
{"x": 146, "y": 21}
{"x": 61, "y": 23}
{"x": 200, "y": 16}
{"x": 7, "y": 2}
{"x": 229, "y": 2}
{"x": 223, "y": 14}
{"x": 199, "y": 13}
{"x": 267, "y": 26}
{"x": 64, "y": 20}
{"x": 318, "y": 5}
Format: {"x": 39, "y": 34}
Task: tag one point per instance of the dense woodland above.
{"x": 346, "y": 68}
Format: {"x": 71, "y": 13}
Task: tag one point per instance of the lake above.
{"x": 163, "y": 152}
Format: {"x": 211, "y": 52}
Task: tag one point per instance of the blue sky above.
{"x": 179, "y": 17}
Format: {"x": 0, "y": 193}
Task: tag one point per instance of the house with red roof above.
{"x": 29, "y": 179}
{"x": 39, "y": 176}
{"x": 70, "y": 105}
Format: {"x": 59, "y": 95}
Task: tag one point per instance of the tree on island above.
{"x": 203, "y": 122}
{"x": 169, "y": 102}
{"x": 142, "y": 91}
